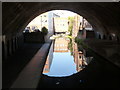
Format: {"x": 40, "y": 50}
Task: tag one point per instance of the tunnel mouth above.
{"x": 61, "y": 53}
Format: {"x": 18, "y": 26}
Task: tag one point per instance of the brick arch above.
{"x": 98, "y": 14}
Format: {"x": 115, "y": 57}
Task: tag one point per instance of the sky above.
{"x": 64, "y": 13}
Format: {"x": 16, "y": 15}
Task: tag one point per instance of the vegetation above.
{"x": 80, "y": 42}
{"x": 44, "y": 30}
{"x": 69, "y": 36}
{"x": 70, "y": 46}
{"x": 71, "y": 20}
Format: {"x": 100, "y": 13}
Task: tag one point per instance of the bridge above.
{"x": 105, "y": 20}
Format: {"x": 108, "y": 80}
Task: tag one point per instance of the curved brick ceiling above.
{"x": 104, "y": 17}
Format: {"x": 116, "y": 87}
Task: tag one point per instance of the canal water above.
{"x": 65, "y": 59}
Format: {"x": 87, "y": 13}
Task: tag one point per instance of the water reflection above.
{"x": 81, "y": 57}
{"x": 64, "y": 58}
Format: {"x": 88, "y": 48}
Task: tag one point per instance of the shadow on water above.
{"x": 94, "y": 73}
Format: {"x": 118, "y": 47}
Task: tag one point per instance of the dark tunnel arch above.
{"x": 93, "y": 12}
{"x": 104, "y": 17}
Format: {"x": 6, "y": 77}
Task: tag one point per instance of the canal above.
{"x": 64, "y": 58}
{"x": 68, "y": 66}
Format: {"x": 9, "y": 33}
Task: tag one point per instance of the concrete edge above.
{"x": 107, "y": 59}
{"x": 30, "y": 75}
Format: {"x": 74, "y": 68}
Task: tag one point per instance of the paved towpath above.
{"x": 17, "y": 62}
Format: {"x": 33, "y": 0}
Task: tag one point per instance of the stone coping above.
{"x": 30, "y": 75}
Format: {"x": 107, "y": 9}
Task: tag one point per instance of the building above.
{"x": 87, "y": 25}
{"x": 61, "y": 45}
{"x": 61, "y": 24}
{"x": 81, "y": 57}
{"x": 83, "y": 27}
{"x": 43, "y": 20}
{"x": 87, "y": 31}
{"x": 80, "y": 24}
{"x": 77, "y": 25}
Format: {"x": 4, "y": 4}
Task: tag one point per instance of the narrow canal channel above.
{"x": 68, "y": 66}
{"x": 64, "y": 59}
